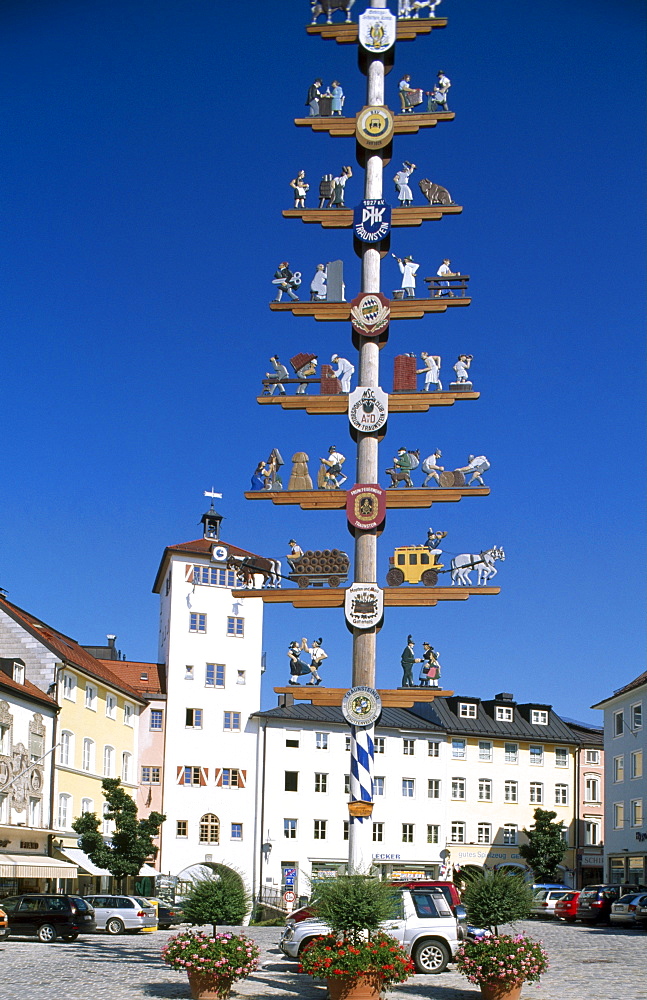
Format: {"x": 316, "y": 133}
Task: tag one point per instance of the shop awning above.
{"x": 147, "y": 870}
{"x": 82, "y": 861}
{"x": 34, "y": 866}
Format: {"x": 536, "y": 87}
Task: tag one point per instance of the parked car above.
{"x": 4, "y": 926}
{"x": 49, "y": 917}
{"x": 116, "y": 914}
{"x": 424, "y": 925}
{"x": 595, "y": 902}
{"x": 168, "y": 914}
{"x": 566, "y": 907}
{"x": 448, "y": 889}
{"x": 544, "y": 901}
{"x": 641, "y": 914}
{"x": 624, "y": 911}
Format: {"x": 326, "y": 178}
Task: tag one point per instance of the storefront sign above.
{"x": 365, "y": 506}
{"x": 372, "y": 220}
{"x": 591, "y": 860}
{"x": 387, "y": 857}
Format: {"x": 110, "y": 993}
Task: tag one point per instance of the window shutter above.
{"x": 188, "y": 572}
{"x": 218, "y": 776}
{"x": 242, "y": 779}
{"x": 204, "y": 774}
{"x": 180, "y": 775}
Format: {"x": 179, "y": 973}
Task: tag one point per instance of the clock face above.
{"x": 361, "y": 706}
{"x": 219, "y": 553}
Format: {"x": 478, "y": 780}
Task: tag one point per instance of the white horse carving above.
{"x": 483, "y": 563}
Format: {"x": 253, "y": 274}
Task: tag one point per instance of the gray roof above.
{"x": 391, "y": 718}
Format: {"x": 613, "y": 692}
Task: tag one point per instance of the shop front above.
{"x": 24, "y": 872}
{"x": 590, "y": 869}
{"x": 396, "y": 868}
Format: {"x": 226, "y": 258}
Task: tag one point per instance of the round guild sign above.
{"x": 370, "y": 313}
{"x": 361, "y": 706}
{"x": 374, "y": 127}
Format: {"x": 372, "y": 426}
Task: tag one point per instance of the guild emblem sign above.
{"x": 366, "y": 506}
{"x": 368, "y": 409}
{"x": 370, "y": 313}
{"x": 372, "y": 220}
{"x": 374, "y": 127}
{"x": 377, "y": 30}
{"x": 361, "y": 706}
{"x": 363, "y": 605}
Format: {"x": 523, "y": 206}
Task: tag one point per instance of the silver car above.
{"x": 625, "y": 911}
{"x": 543, "y": 902}
{"x": 117, "y": 914}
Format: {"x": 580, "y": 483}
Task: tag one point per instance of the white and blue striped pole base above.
{"x": 360, "y": 831}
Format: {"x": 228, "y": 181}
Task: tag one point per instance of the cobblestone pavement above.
{"x": 586, "y": 964}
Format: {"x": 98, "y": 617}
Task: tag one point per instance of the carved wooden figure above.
{"x": 328, "y": 7}
{"x": 403, "y": 464}
{"x": 300, "y": 477}
{"x": 431, "y": 468}
{"x": 434, "y": 193}
{"x": 483, "y": 563}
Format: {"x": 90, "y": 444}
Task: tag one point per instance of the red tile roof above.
{"x": 131, "y": 671}
{"x": 65, "y": 648}
{"x": 631, "y": 686}
{"x": 27, "y": 690}
{"x": 199, "y": 547}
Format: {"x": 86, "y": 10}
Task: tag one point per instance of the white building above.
{"x": 210, "y": 644}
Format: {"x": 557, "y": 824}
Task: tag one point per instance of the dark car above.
{"x": 168, "y": 914}
{"x": 448, "y": 889}
{"x": 49, "y": 917}
{"x": 595, "y": 902}
{"x": 4, "y": 925}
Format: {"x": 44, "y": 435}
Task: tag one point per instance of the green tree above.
{"x": 217, "y": 899}
{"x": 493, "y": 898}
{"x": 132, "y": 841}
{"x": 545, "y": 848}
{"x": 353, "y": 903}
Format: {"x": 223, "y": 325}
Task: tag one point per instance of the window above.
{"x": 503, "y": 713}
{"x": 510, "y": 834}
{"x": 232, "y": 778}
{"x": 66, "y": 752}
{"x": 19, "y": 676}
{"x": 378, "y": 787}
{"x": 209, "y": 829}
{"x": 321, "y": 741}
{"x": 5, "y": 740}
{"x": 320, "y": 829}
{"x": 433, "y": 788}
{"x": 214, "y": 675}
{"x": 433, "y": 833}
{"x": 458, "y": 749}
{"x": 64, "y": 811}
{"x": 292, "y": 742}
{"x": 539, "y": 718}
{"x": 346, "y": 829}
{"x": 151, "y": 775}
{"x": 212, "y": 576}
{"x": 235, "y": 627}
{"x": 484, "y": 833}
{"x": 618, "y": 815}
{"x": 87, "y": 806}
{"x": 637, "y": 716}
{"x": 182, "y": 828}
{"x": 291, "y": 781}
{"x": 193, "y": 718}
{"x": 290, "y": 829}
{"x": 129, "y": 712}
{"x": 87, "y": 762}
{"x": 236, "y": 831}
{"x": 190, "y": 776}
{"x": 591, "y": 832}
{"x": 457, "y": 833}
{"x": 433, "y": 748}
{"x": 619, "y": 768}
{"x": 4, "y": 808}
{"x": 536, "y": 792}
{"x": 536, "y": 755}
{"x": 561, "y": 795}
{"x": 591, "y": 788}
{"x": 108, "y": 762}
{"x": 378, "y": 833}
{"x": 467, "y": 710}
{"x": 231, "y": 722}
{"x": 408, "y": 788}
{"x": 321, "y": 783}
{"x": 636, "y": 810}
{"x": 561, "y": 757}
{"x": 485, "y": 750}
{"x": 90, "y": 697}
{"x": 637, "y": 764}
{"x": 618, "y": 723}
{"x": 592, "y": 756}
{"x": 126, "y": 760}
{"x": 407, "y": 833}
{"x": 511, "y": 753}
{"x": 197, "y": 622}
{"x": 511, "y": 791}
{"x": 485, "y": 791}
{"x": 347, "y": 743}
{"x": 36, "y": 747}
{"x": 69, "y": 686}
{"x": 379, "y": 744}
{"x": 111, "y": 706}
{"x": 409, "y": 747}
{"x": 458, "y": 788}
{"x": 347, "y": 785}
{"x": 156, "y": 719}
{"x": 33, "y": 813}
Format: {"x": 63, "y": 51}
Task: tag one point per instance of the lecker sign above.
{"x": 366, "y": 506}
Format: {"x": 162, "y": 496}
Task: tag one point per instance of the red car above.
{"x": 566, "y": 908}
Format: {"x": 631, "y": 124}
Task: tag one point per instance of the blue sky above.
{"x": 148, "y": 147}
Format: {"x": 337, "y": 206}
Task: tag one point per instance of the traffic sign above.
{"x": 289, "y": 896}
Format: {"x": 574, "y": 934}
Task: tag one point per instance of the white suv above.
{"x": 423, "y": 924}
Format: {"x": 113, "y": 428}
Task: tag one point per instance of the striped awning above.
{"x": 34, "y": 866}
{"x": 82, "y": 861}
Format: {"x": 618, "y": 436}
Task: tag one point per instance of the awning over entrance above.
{"x": 147, "y": 870}
{"x": 34, "y": 866}
{"x": 82, "y": 861}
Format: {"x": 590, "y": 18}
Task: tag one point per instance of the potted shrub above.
{"x": 500, "y": 963}
{"x": 357, "y": 959}
{"x": 212, "y": 961}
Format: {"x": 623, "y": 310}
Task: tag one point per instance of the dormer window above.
{"x": 19, "y": 672}
{"x": 539, "y": 717}
{"x": 467, "y": 710}
{"x": 504, "y": 713}
{"x": 143, "y": 677}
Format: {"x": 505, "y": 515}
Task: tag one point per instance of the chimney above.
{"x": 111, "y": 640}
{"x": 286, "y": 700}
{"x": 504, "y": 696}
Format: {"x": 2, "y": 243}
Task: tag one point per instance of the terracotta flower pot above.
{"x": 209, "y": 986}
{"x": 501, "y": 991}
{"x": 354, "y": 987}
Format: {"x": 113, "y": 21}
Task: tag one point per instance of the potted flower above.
{"x": 212, "y": 961}
{"x": 357, "y": 959}
{"x": 501, "y": 964}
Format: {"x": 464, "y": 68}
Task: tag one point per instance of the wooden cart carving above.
{"x": 315, "y": 568}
